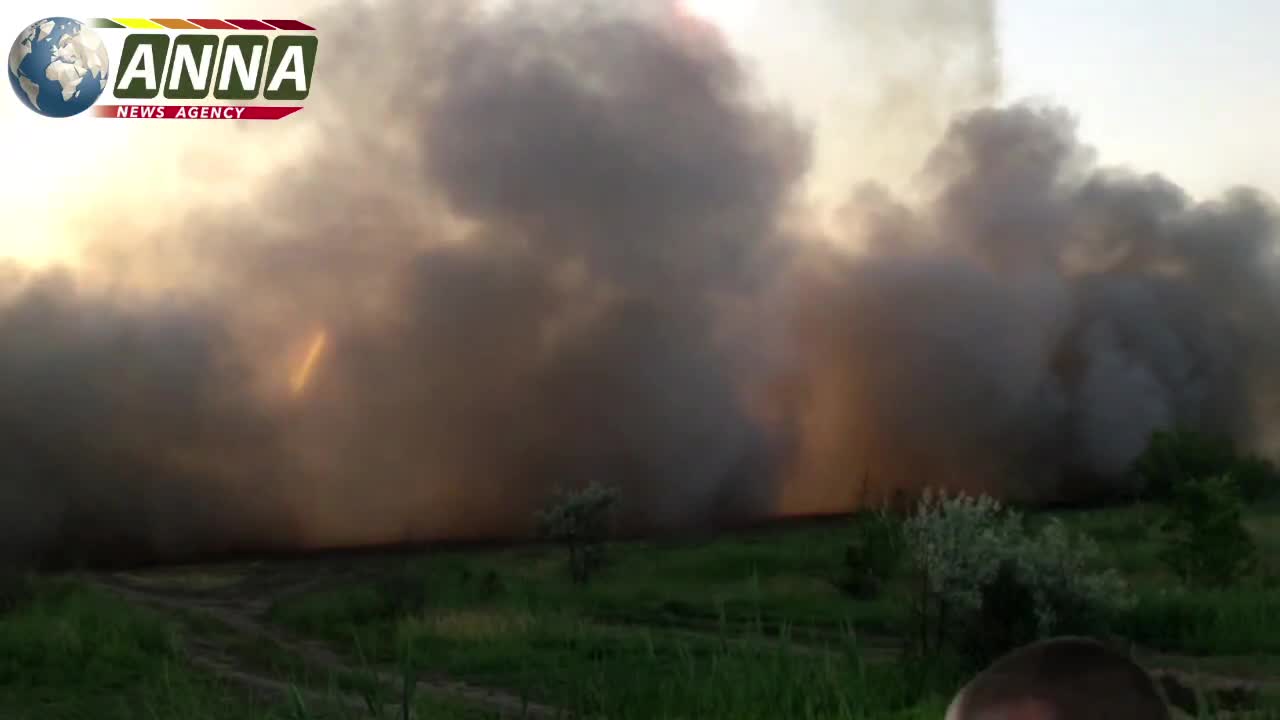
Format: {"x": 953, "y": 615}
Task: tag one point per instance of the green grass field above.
{"x": 716, "y": 628}
{"x": 746, "y": 626}
{"x": 73, "y": 652}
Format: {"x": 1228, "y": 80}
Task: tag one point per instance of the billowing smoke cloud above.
{"x": 524, "y": 268}
{"x": 545, "y": 248}
{"x": 124, "y": 426}
{"x": 1027, "y": 328}
{"x": 617, "y": 191}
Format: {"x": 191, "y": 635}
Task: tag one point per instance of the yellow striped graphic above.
{"x": 139, "y": 23}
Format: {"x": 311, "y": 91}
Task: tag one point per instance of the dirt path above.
{"x": 240, "y": 607}
{"x": 1233, "y": 692}
{"x": 215, "y": 661}
{"x": 240, "y": 597}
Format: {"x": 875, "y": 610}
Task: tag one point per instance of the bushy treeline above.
{"x": 980, "y": 578}
{"x": 1175, "y": 457}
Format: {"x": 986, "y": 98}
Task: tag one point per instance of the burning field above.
{"x": 575, "y": 247}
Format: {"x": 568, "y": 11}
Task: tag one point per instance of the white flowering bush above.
{"x": 956, "y": 545}
{"x": 976, "y": 565}
{"x": 1060, "y": 570}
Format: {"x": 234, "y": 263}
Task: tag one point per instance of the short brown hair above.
{"x": 1061, "y": 679}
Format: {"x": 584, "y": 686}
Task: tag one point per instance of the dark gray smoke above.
{"x": 526, "y": 268}
{"x": 124, "y": 426}
{"x": 617, "y": 190}
{"x": 1029, "y": 327}
{"x": 556, "y": 257}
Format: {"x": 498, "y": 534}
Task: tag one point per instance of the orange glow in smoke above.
{"x": 302, "y": 377}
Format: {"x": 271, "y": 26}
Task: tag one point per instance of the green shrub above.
{"x": 1072, "y": 596}
{"x": 1209, "y": 544}
{"x": 874, "y": 555}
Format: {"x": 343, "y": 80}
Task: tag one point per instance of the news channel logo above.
{"x": 60, "y": 67}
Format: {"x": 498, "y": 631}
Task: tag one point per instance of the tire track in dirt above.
{"x": 870, "y": 647}
{"x": 245, "y": 619}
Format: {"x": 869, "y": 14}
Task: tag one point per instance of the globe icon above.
{"x": 58, "y": 67}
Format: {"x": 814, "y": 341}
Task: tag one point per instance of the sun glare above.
{"x": 728, "y": 15}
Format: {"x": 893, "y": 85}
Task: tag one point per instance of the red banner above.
{"x": 194, "y": 112}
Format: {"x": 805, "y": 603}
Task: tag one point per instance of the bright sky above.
{"x": 56, "y": 169}
{"x": 1186, "y": 87}
{"x": 1183, "y": 87}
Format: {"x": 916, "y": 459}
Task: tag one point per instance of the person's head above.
{"x": 1061, "y": 679}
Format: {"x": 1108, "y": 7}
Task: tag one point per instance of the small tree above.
{"x": 581, "y": 521}
{"x": 1209, "y": 544}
